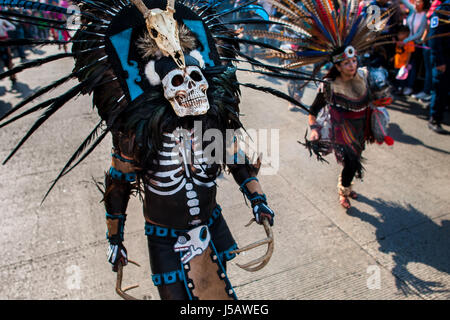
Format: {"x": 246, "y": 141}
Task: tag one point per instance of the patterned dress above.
{"x": 343, "y": 114}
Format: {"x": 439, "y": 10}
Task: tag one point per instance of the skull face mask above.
{"x": 186, "y": 91}
{"x": 185, "y": 88}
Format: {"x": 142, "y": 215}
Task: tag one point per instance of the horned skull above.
{"x": 193, "y": 242}
{"x": 163, "y": 29}
{"x": 186, "y": 91}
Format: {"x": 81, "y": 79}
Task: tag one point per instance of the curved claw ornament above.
{"x": 258, "y": 263}
{"x": 122, "y": 292}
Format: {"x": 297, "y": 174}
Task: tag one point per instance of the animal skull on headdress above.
{"x": 163, "y": 29}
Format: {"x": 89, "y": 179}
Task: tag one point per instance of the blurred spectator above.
{"x": 440, "y": 60}
{"x": 18, "y": 33}
{"x": 42, "y": 29}
{"x": 425, "y": 94}
{"x": 387, "y": 51}
{"x": 417, "y": 22}
{"x": 5, "y": 52}
{"x": 5, "y": 27}
{"x": 402, "y": 57}
{"x": 58, "y": 34}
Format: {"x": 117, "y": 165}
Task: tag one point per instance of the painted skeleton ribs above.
{"x": 177, "y": 171}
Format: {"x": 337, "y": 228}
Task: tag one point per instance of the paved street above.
{"x": 394, "y": 243}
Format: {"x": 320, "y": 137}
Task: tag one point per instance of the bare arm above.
{"x": 318, "y": 104}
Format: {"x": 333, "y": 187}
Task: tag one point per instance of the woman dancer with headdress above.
{"x": 347, "y": 96}
{"x": 341, "y": 116}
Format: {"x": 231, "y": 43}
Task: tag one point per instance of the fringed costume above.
{"x": 344, "y": 116}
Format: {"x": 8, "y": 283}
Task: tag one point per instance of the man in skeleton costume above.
{"x": 188, "y": 239}
{"x": 162, "y": 77}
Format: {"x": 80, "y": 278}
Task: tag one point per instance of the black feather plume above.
{"x": 279, "y": 75}
{"x": 225, "y": 12}
{"x": 35, "y": 5}
{"x": 6, "y": 14}
{"x": 55, "y": 106}
{"x": 59, "y": 27}
{"x": 98, "y": 5}
{"x": 34, "y": 63}
{"x": 39, "y": 42}
{"x": 88, "y": 152}
{"x": 275, "y": 93}
{"x": 38, "y": 107}
{"x": 81, "y": 148}
{"x": 245, "y": 21}
{"x": 44, "y": 90}
{"x": 248, "y": 41}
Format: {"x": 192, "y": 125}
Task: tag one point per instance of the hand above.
{"x": 117, "y": 253}
{"x": 314, "y": 136}
{"x": 441, "y": 68}
{"x": 262, "y": 210}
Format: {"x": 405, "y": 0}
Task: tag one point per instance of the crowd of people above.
{"x": 411, "y": 57}
{"x": 19, "y": 26}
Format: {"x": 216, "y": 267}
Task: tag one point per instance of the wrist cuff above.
{"x": 256, "y": 198}
{"x": 243, "y": 186}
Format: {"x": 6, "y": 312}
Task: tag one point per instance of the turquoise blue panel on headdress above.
{"x": 197, "y": 27}
{"x": 121, "y": 43}
{"x": 257, "y": 9}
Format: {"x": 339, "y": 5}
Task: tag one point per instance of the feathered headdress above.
{"x": 327, "y": 30}
{"x": 114, "y": 42}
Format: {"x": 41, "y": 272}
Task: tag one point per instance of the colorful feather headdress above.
{"x": 327, "y": 30}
